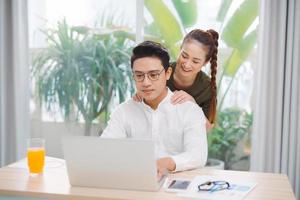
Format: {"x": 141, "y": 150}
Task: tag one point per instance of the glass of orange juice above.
{"x": 36, "y": 155}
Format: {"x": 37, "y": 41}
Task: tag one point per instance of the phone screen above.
{"x": 179, "y": 184}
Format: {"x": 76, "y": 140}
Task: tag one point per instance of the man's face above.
{"x": 152, "y": 91}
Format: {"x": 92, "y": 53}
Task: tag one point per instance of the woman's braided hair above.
{"x": 208, "y": 38}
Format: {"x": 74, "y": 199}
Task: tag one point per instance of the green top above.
{"x": 200, "y": 90}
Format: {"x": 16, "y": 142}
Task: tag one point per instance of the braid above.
{"x": 213, "y": 67}
{"x": 208, "y": 38}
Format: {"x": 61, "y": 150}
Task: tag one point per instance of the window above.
{"x": 121, "y": 22}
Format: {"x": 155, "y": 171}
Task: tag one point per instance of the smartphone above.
{"x": 177, "y": 185}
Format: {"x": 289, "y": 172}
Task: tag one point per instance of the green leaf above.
{"x": 168, "y": 25}
{"x": 80, "y": 74}
{"x": 240, "y": 53}
{"x": 152, "y": 29}
{"x": 187, "y": 11}
{"x": 81, "y": 29}
{"x": 233, "y": 125}
{"x": 223, "y": 10}
{"x": 239, "y": 23}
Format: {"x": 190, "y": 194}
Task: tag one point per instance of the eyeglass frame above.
{"x": 220, "y": 185}
{"x": 148, "y": 76}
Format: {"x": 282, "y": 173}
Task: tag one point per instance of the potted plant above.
{"x": 81, "y": 70}
{"x": 233, "y": 125}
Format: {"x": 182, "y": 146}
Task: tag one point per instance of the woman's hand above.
{"x": 181, "y": 97}
{"x": 137, "y": 98}
{"x": 208, "y": 126}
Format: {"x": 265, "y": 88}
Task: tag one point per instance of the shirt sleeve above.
{"x": 116, "y": 125}
{"x": 195, "y": 150}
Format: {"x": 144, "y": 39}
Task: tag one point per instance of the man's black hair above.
{"x": 151, "y": 49}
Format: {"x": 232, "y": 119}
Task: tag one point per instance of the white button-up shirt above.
{"x": 178, "y": 130}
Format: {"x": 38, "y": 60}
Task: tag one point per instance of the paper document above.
{"x": 236, "y": 191}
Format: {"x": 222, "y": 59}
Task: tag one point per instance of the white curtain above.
{"x": 276, "y": 139}
{"x": 14, "y": 80}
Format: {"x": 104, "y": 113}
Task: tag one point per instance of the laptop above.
{"x": 111, "y": 163}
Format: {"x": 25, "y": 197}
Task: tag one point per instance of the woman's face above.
{"x": 191, "y": 58}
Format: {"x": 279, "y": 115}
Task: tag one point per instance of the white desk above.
{"x": 16, "y": 183}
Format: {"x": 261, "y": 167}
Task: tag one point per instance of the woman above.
{"x": 187, "y": 81}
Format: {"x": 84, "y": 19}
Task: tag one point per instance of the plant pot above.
{"x": 213, "y": 163}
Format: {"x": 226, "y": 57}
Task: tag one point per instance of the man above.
{"x": 178, "y": 130}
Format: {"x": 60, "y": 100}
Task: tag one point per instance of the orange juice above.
{"x": 36, "y": 159}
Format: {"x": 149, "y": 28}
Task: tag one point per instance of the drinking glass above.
{"x": 36, "y": 155}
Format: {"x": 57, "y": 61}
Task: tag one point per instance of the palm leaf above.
{"x": 223, "y": 10}
{"x": 239, "y": 54}
{"x": 168, "y": 25}
{"x": 240, "y": 22}
{"x": 187, "y": 11}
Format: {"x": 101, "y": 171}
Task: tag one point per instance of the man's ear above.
{"x": 168, "y": 73}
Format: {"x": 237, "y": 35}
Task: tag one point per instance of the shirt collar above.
{"x": 165, "y": 101}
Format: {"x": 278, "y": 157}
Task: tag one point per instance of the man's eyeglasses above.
{"x": 213, "y": 186}
{"x": 152, "y": 75}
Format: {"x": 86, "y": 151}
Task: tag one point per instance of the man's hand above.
{"x": 164, "y": 165}
{"x": 181, "y": 97}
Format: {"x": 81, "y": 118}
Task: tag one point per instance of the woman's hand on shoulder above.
{"x": 180, "y": 97}
{"x": 137, "y": 98}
